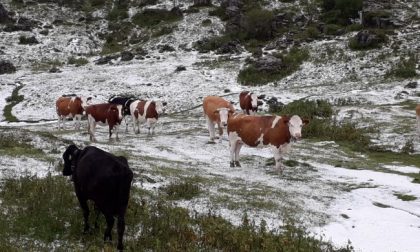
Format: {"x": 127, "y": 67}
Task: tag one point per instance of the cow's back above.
{"x": 69, "y": 105}
{"x": 104, "y": 178}
{"x": 101, "y": 112}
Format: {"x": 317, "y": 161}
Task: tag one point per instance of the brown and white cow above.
{"x": 148, "y": 112}
{"x": 104, "y": 114}
{"x": 216, "y": 111}
{"x": 418, "y": 119}
{"x": 249, "y": 102}
{"x": 71, "y": 106}
{"x": 263, "y": 131}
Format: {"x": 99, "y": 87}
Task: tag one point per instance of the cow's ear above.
{"x": 286, "y": 119}
{"x": 216, "y": 112}
{"x": 305, "y": 121}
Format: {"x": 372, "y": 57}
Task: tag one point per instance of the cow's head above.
{"x": 160, "y": 107}
{"x": 254, "y": 102}
{"x": 223, "y": 115}
{"x": 117, "y": 109}
{"x": 70, "y": 157}
{"x": 295, "y": 124}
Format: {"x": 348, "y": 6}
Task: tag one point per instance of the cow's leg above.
{"x": 277, "y": 158}
{"x": 120, "y": 230}
{"x": 85, "y": 209}
{"x": 232, "y": 142}
{"x": 59, "y": 121}
{"x": 220, "y": 128}
{"x": 78, "y": 121}
{"x": 210, "y": 126}
{"x": 237, "y": 150}
{"x": 109, "y": 225}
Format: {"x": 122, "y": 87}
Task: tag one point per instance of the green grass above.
{"x": 405, "y": 197}
{"x": 187, "y": 189}
{"x": 404, "y": 69}
{"x": 13, "y": 100}
{"x": 43, "y": 213}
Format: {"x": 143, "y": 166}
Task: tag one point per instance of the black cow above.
{"x": 103, "y": 178}
{"x": 125, "y": 102}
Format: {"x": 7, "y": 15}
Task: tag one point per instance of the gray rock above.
{"x": 4, "y": 15}
{"x": 412, "y": 84}
{"x": 6, "y": 67}
{"x": 268, "y": 64}
{"x": 126, "y": 56}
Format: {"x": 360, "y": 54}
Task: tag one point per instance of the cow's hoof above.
{"x": 237, "y": 164}
{"x": 232, "y": 164}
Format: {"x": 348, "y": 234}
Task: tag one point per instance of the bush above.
{"x": 340, "y": 11}
{"x": 184, "y": 190}
{"x": 211, "y": 44}
{"x": 404, "y": 69}
{"x": 258, "y": 24}
{"x": 252, "y": 76}
{"x": 368, "y": 39}
{"x": 77, "y": 61}
{"x": 153, "y": 17}
{"x": 307, "y": 109}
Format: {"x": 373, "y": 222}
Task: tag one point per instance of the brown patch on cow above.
{"x": 69, "y": 105}
{"x": 245, "y": 101}
{"x": 251, "y": 128}
{"x": 150, "y": 113}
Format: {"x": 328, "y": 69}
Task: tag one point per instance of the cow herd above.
{"x": 106, "y": 179}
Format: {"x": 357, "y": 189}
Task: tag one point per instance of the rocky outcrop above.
{"x": 6, "y": 67}
{"x": 4, "y": 15}
{"x": 202, "y": 3}
{"x": 268, "y": 64}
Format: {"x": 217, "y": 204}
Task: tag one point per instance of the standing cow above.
{"x": 105, "y": 113}
{"x": 125, "y": 102}
{"x": 103, "y": 178}
{"x": 216, "y": 111}
{"x": 249, "y": 102}
{"x": 261, "y": 131}
{"x": 71, "y": 106}
{"x": 148, "y": 112}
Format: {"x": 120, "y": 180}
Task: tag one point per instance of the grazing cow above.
{"x": 146, "y": 111}
{"x": 125, "y": 102}
{"x": 71, "y": 106}
{"x": 261, "y": 131}
{"x": 216, "y": 111}
{"x": 249, "y": 102}
{"x": 103, "y": 178}
{"x": 418, "y": 118}
{"x": 105, "y": 113}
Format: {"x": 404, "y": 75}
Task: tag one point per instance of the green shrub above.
{"x": 340, "y": 11}
{"x": 163, "y": 31}
{"x": 258, "y": 24}
{"x": 376, "y": 42}
{"x": 206, "y": 22}
{"x": 307, "y": 109}
{"x": 153, "y": 17}
{"x": 332, "y": 29}
{"x": 219, "y": 12}
{"x": 77, "y": 61}
{"x": 405, "y": 68}
{"x": 184, "y": 190}
{"x": 211, "y": 44}
{"x": 291, "y": 61}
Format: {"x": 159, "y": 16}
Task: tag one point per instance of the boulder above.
{"x": 126, "y": 56}
{"x": 268, "y": 64}
{"x": 6, "y": 67}
{"x": 230, "y": 47}
{"x": 412, "y": 84}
